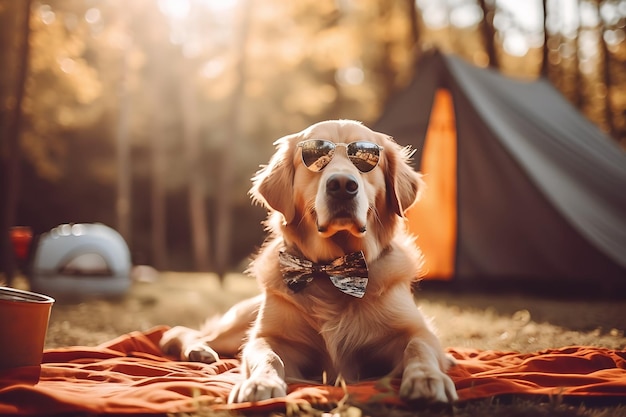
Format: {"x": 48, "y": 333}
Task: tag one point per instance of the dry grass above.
{"x": 501, "y": 322}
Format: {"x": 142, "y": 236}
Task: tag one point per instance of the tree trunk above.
{"x": 607, "y": 76}
{"x": 12, "y": 156}
{"x": 489, "y": 33}
{"x": 385, "y": 69}
{"x": 545, "y": 61}
{"x": 233, "y": 124}
{"x": 197, "y": 202}
{"x": 123, "y": 202}
{"x": 158, "y": 190}
{"x": 415, "y": 30}
{"x": 577, "y": 98}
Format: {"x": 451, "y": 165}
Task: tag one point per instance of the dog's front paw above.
{"x": 184, "y": 344}
{"x": 420, "y": 382}
{"x": 257, "y": 388}
{"x": 200, "y": 352}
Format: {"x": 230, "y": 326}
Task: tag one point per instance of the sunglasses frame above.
{"x": 332, "y": 152}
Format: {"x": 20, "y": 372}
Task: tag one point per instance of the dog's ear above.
{"x": 404, "y": 184}
{"x": 272, "y": 186}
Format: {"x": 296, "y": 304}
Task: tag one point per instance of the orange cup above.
{"x": 24, "y": 319}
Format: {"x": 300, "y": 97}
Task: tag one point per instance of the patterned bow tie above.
{"x": 348, "y": 273}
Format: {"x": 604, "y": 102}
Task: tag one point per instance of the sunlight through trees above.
{"x": 198, "y": 90}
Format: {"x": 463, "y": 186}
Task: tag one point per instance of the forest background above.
{"x": 151, "y": 116}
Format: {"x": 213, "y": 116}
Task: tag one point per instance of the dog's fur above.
{"x": 320, "y": 330}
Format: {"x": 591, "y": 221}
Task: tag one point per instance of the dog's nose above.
{"x": 342, "y": 186}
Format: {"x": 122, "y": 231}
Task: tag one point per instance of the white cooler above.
{"x": 81, "y": 259}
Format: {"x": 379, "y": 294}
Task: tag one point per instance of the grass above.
{"x": 514, "y": 407}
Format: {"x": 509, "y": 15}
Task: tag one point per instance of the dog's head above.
{"x": 338, "y": 181}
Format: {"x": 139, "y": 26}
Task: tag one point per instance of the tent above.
{"x": 520, "y": 186}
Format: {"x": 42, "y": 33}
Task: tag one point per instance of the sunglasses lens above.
{"x": 316, "y": 154}
{"x": 364, "y": 155}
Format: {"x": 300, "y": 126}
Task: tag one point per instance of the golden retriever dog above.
{"x": 336, "y": 274}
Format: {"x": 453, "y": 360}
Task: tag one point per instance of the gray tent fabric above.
{"x": 541, "y": 190}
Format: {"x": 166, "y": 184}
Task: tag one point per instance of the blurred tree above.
{"x": 158, "y": 172}
{"x": 607, "y": 70}
{"x": 233, "y": 125}
{"x": 488, "y": 31}
{"x": 193, "y": 157}
{"x": 560, "y": 52}
{"x": 545, "y": 50}
{"x": 394, "y": 43}
{"x": 123, "y": 203}
{"x": 576, "y": 95}
{"x": 415, "y": 29}
{"x": 10, "y": 130}
{"x": 62, "y": 86}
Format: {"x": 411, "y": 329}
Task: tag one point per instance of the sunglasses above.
{"x": 317, "y": 153}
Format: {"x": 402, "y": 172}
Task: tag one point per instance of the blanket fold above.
{"x": 130, "y": 375}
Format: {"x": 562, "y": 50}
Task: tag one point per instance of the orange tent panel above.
{"x": 433, "y": 220}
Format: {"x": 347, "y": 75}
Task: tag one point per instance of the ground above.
{"x": 503, "y": 321}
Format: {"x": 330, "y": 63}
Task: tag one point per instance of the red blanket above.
{"x": 130, "y": 375}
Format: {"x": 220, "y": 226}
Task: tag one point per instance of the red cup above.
{"x": 21, "y": 236}
{"x": 24, "y": 319}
